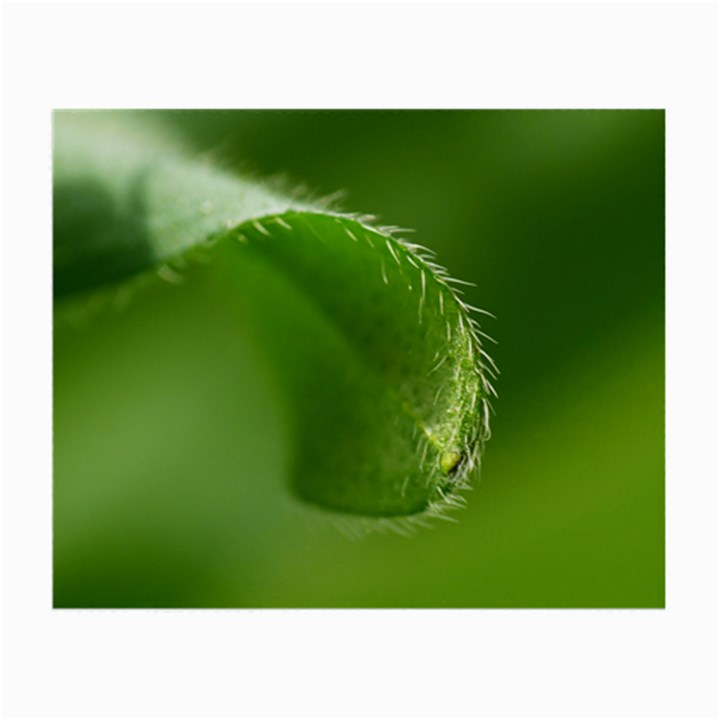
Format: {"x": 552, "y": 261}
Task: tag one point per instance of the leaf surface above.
{"x": 382, "y": 365}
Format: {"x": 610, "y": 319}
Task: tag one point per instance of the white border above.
{"x": 379, "y": 54}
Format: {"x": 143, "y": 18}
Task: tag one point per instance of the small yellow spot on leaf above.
{"x": 449, "y": 461}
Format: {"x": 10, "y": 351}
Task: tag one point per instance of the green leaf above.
{"x": 386, "y": 380}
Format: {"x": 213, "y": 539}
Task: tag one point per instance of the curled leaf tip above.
{"x": 386, "y": 380}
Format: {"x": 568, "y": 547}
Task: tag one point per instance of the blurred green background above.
{"x": 169, "y": 430}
